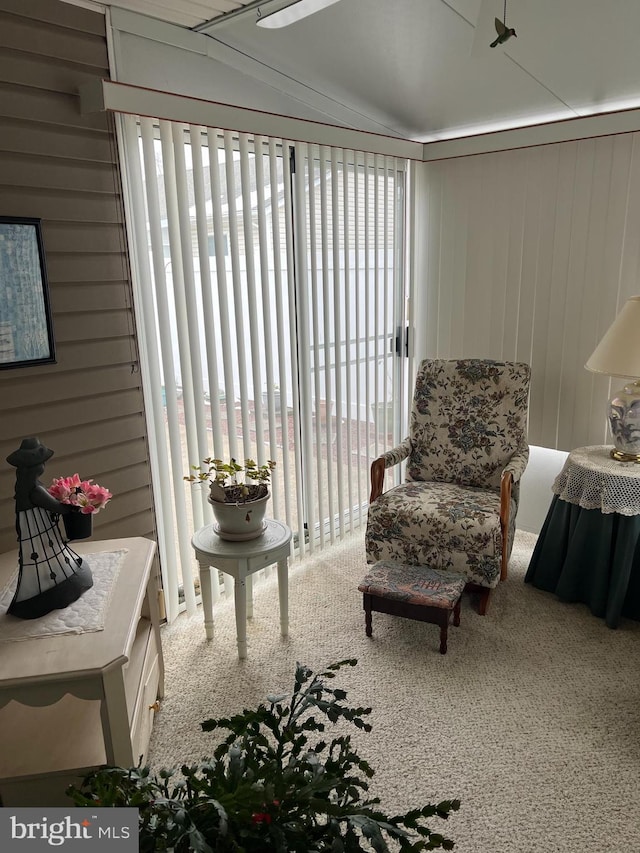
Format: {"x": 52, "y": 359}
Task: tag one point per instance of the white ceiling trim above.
{"x": 100, "y": 95}
{"x": 565, "y": 130}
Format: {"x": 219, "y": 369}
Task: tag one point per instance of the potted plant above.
{"x": 238, "y": 494}
{"x": 85, "y": 498}
{"x": 274, "y": 785}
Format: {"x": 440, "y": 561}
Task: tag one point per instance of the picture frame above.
{"x": 26, "y": 327}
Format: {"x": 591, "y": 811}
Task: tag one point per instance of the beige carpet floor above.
{"x": 532, "y": 718}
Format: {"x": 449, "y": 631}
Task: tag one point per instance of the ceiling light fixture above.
{"x": 292, "y": 13}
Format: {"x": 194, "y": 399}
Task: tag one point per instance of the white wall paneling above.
{"x": 530, "y": 254}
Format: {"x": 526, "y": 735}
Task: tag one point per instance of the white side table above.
{"x": 240, "y": 560}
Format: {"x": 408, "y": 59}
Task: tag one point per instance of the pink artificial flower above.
{"x": 65, "y": 488}
{"x": 88, "y": 496}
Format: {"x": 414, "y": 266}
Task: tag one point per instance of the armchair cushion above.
{"x": 440, "y": 525}
{"x": 468, "y": 420}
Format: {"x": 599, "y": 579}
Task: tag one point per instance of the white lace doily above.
{"x": 593, "y": 480}
{"x": 87, "y": 613}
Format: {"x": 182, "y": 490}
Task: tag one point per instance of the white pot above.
{"x": 238, "y": 522}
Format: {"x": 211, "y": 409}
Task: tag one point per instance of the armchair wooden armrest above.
{"x": 506, "y": 482}
{"x": 377, "y": 478}
{"x": 387, "y": 460}
{"x": 511, "y": 474}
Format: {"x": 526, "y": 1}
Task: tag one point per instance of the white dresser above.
{"x": 70, "y": 702}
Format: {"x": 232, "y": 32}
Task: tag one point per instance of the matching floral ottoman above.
{"x": 415, "y": 592}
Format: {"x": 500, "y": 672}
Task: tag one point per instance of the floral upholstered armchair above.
{"x": 466, "y": 452}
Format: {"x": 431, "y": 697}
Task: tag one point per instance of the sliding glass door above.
{"x": 270, "y": 299}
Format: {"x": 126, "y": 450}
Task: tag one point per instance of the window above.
{"x": 272, "y": 324}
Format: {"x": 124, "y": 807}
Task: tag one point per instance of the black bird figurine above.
{"x": 504, "y": 33}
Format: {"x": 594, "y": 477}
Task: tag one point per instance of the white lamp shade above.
{"x": 618, "y": 353}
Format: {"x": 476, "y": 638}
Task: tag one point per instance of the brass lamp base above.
{"x": 621, "y": 456}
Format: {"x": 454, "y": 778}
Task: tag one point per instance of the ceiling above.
{"x": 423, "y": 69}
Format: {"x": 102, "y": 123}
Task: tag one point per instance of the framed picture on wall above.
{"x": 26, "y": 330}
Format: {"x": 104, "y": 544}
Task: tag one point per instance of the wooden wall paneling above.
{"x": 29, "y": 170}
{"x": 58, "y": 204}
{"x": 577, "y": 296}
{"x": 88, "y": 327}
{"x": 513, "y": 279}
{"x": 60, "y": 14}
{"x": 594, "y": 261}
{"x": 133, "y": 525}
{"x": 71, "y": 440}
{"x": 85, "y": 355}
{"x": 545, "y": 166}
{"x": 49, "y": 39}
{"x": 501, "y": 242}
{"x": 64, "y": 385}
{"x": 58, "y": 108}
{"x": 128, "y": 479}
{"x": 61, "y": 167}
{"x": 429, "y": 287}
{"x": 629, "y": 269}
{"x": 82, "y": 267}
{"x": 614, "y": 237}
{"x": 551, "y": 256}
{"x": 527, "y": 274}
{"x": 562, "y": 198}
{"x": 625, "y": 149}
{"x": 94, "y": 146}
{"x": 495, "y": 234}
{"x": 123, "y": 504}
{"x": 74, "y": 297}
{"x": 37, "y": 72}
{"x": 97, "y": 461}
{"x": 451, "y": 243}
{"x": 83, "y": 237}
{"x": 479, "y": 256}
{"x": 85, "y": 410}
{"x": 460, "y": 221}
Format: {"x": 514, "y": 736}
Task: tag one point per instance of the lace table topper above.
{"x": 591, "y": 479}
{"x": 87, "y": 613}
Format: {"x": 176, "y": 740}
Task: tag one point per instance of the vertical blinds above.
{"x": 269, "y": 292}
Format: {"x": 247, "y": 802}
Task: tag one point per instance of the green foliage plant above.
{"x": 274, "y": 785}
{"x": 225, "y": 480}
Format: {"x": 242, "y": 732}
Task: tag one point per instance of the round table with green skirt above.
{"x": 589, "y": 554}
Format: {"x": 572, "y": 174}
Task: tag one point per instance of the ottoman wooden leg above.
{"x": 366, "y": 601}
{"x": 456, "y": 613}
{"x": 443, "y": 635}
